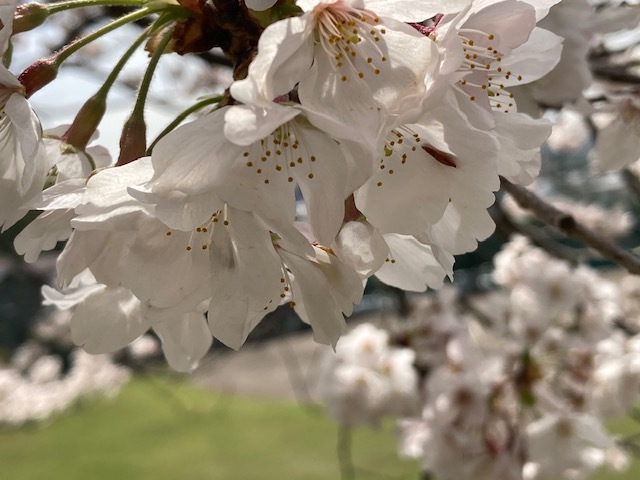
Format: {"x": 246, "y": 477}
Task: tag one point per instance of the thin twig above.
{"x": 296, "y": 375}
{"x": 345, "y": 458}
{"x": 568, "y": 225}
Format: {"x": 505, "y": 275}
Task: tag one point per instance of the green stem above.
{"x": 92, "y": 163}
{"x": 62, "y": 6}
{"x": 143, "y": 90}
{"x": 345, "y": 458}
{"x": 67, "y": 51}
{"x": 93, "y": 110}
{"x": 113, "y": 75}
{"x": 180, "y": 118}
{"x": 133, "y": 141}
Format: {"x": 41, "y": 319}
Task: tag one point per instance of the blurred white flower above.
{"x": 575, "y": 435}
{"x": 366, "y": 379}
{"x": 46, "y": 369}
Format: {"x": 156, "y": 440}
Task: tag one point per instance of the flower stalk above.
{"x": 42, "y": 72}
{"x": 90, "y": 115}
{"x": 133, "y": 141}
{"x": 183, "y": 115}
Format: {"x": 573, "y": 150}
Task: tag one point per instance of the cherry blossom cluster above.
{"x": 525, "y": 393}
{"x": 392, "y": 120}
{"x": 35, "y": 384}
{"x": 366, "y": 379}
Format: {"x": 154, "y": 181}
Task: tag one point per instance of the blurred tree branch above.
{"x": 568, "y": 225}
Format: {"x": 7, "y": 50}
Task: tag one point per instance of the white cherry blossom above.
{"x": 425, "y": 167}
{"x": 617, "y": 144}
{"x": 397, "y": 260}
{"x": 259, "y": 175}
{"x": 574, "y": 434}
{"x": 353, "y": 67}
{"x": 57, "y": 203}
{"x": 23, "y": 162}
{"x": 498, "y": 46}
{"x": 366, "y": 378}
{"x": 106, "y": 319}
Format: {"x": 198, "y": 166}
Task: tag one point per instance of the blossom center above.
{"x": 485, "y": 77}
{"x": 279, "y": 154}
{"x": 401, "y": 143}
{"x": 352, "y": 38}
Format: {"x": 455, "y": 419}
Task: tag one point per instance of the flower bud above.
{"x": 39, "y": 74}
{"x": 86, "y": 122}
{"x": 133, "y": 141}
{"x": 29, "y": 16}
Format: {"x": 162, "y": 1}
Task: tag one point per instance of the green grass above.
{"x": 157, "y": 429}
{"x": 623, "y": 427}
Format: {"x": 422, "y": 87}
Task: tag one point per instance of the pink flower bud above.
{"x": 133, "y": 142}
{"x": 86, "y": 122}
{"x": 39, "y": 74}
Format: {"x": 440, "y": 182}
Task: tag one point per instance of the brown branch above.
{"x": 506, "y": 226}
{"x": 614, "y": 73}
{"x": 568, "y": 225}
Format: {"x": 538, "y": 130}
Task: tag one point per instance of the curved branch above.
{"x": 506, "y": 226}
{"x": 568, "y": 225}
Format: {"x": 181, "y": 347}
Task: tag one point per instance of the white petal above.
{"x": 108, "y": 320}
{"x": 246, "y": 274}
{"x": 194, "y": 156}
{"x": 408, "y": 190}
{"x": 81, "y": 250}
{"x": 178, "y": 210}
{"x": 23, "y": 161}
{"x": 414, "y": 266}
{"x": 520, "y": 138}
{"x": 322, "y": 291}
{"x": 43, "y": 233}
{"x": 534, "y": 59}
{"x": 323, "y": 183}
{"x": 80, "y": 288}
{"x": 285, "y": 53}
{"x": 246, "y": 124}
{"x": 7, "y": 10}
{"x": 184, "y": 340}
{"x": 361, "y": 247}
{"x": 411, "y": 11}
{"x": 511, "y": 21}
